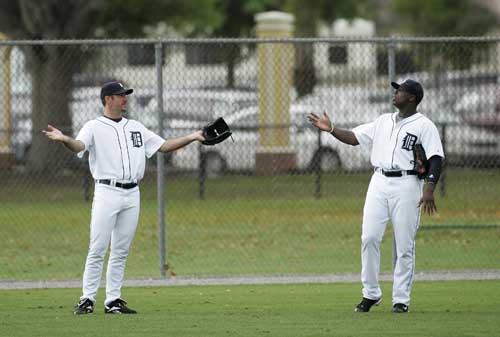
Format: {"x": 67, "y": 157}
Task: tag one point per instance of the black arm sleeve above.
{"x": 435, "y": 164}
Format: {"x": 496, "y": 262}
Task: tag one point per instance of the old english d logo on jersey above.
{"x": 136, "y": 138}
{"x": 409, "y": 141}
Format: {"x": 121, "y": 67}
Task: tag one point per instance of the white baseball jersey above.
{"x": 393, "y": 198}
{"x": 392, "y": 142}
{"x": 118, "y": 150}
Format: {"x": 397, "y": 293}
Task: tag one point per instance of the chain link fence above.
{"x": 280, "y": 198}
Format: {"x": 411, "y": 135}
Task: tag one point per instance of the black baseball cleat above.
{"x": 85, "y": 306}
{"x": 118, "y": 306}
{"x": 366, "y": 304}
{"x": 400, "y": 308}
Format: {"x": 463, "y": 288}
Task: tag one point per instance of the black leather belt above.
{"x": 126, "y": 186}
{"x": 398, "y": 173}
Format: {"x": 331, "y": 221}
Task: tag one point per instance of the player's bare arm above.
{"x": 57, "y": 135}
{"x": 324, "y": 124}
{"x": 176, "y": 143}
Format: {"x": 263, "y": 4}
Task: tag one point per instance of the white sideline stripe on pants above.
{"x": 258, "y": 279}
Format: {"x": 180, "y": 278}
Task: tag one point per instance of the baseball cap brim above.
{"x": 395, "y": 85}
{"x": 124, "y": 92}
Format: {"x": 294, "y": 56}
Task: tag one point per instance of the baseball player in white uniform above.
{"x": 117, "y": 148}
{"x": 395, "y": 192}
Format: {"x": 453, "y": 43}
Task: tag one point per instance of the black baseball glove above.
{"x": 420, "y": 162}
{"x": 215, "y": 132}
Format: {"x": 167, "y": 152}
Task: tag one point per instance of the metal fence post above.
{"x": 391, "y": 73}
{"x": 162, "y": 235}
{"x": 442, "y": 184}
{"x": 391, "y": 62}
{"x": 317, "y": 191}
{"x": 202, "y": 172}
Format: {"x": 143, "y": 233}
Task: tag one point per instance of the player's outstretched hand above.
{"x": 53, "y": 133}
{"x": 322, "y": 123}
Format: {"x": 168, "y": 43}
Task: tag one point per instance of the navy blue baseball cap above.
{"x": 412, "y": 87}
{"x": 114, "y": 88}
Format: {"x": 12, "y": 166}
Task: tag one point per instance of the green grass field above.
{"x": 453, "y": 308}
{"x": 245, "y": 225}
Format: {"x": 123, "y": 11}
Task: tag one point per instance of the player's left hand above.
{"x": 53, "y": 133}
{"x": 427, "y": 200}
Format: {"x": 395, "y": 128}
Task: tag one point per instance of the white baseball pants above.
{"x": 395, "y": 199}
{"x": 115, "y": 213}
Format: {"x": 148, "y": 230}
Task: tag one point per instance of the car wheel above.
{"x": 215, "y": 165}
{"x": 327, "y": 160}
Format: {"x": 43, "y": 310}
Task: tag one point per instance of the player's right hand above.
{"x": 53, "y": 133}
{"x": 322, "y": 123}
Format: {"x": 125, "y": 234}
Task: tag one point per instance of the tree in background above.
{"x": 128, "y": 18}
{"x": 237, "y": 21}
{"x": 308, "y": 16}
{"x": 53, "y": 67}
{"x": 446, "y": 18}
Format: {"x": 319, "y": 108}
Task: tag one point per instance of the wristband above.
{"x": 331, "y": 131}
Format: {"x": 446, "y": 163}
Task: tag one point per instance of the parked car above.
{"x": 466, "y": 144}
{"x": 480, "y": 108}
{"x": 197, "y": 105}
{"x": 239, "y": 155}
{"x": 21, "y": 123}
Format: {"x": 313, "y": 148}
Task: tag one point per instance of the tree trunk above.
{"x": 305, "y": 74}
{"x": 230, "y": 74}
{"x": 52, "y": 87}
{"x": 232, "y": 54}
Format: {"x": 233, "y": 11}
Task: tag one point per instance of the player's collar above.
{"x": 116, "y": 120}
{"x": 407, "y": 119}
{"x": 111, "y": 121}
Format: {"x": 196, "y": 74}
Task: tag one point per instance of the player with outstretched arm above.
{"x": 117, "y": 148}
{"x": 395, "y": 192}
